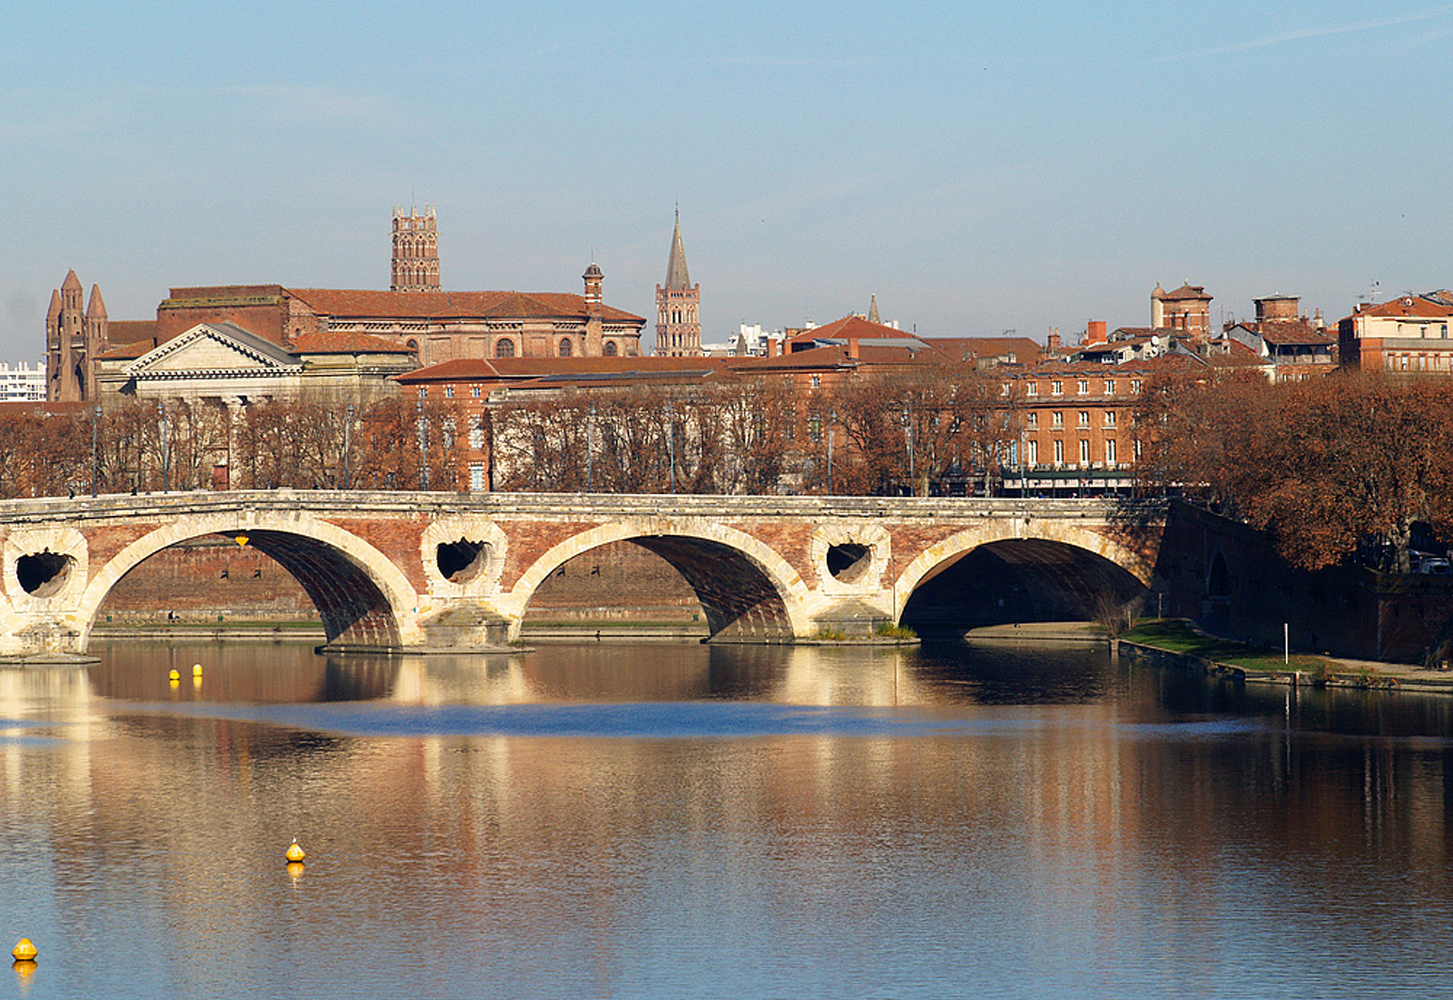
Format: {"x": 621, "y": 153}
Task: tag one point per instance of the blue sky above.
{"x": 979, "y": 167}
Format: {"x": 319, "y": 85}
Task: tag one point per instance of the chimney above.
{"x": 771, "y": 347}
{"x": 1095, "y": 333}
{"x": 1052, "y": 341}
{"x": 853, "y": 348}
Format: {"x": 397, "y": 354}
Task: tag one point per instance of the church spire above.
{"x": 677, "y": 277}
{"x": 678, "y": 304}
{"x": 873, "y": 310}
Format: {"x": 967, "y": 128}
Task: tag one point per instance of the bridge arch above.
{"x": 942, "y": 555}
{"x": 747, "y": 591}
{"x": 361, "y": 597}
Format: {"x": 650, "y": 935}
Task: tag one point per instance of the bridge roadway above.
{"x": 455, "y": 571}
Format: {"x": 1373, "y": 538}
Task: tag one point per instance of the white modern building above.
{"x": 22, "y": 383}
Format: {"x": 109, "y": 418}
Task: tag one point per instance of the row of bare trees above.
{"x": 893, "y": 433}
{"x": 1337, "y": 468}
{"x": 141, "y": 446}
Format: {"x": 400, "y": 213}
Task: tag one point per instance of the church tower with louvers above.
{"x": 416, "y": 252}
{"x": 678, "y": 321}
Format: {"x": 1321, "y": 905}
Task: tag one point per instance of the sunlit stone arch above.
{"x": 949, "y": 549}
{"x": 784, "y": 580}
{"x": 308, "y": 531}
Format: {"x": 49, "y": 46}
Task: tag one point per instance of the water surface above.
{"x": 665, "y": 820}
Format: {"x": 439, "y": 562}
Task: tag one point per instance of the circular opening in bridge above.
{"x": 462, "y": 561}
{"x": 848, "y": 562}
{"x": 43, "y": 574}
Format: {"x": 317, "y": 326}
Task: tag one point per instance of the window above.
{"x": 1004, "y": 388}
{"x": 1134, "y": 386}
{"x": 1084, "y": 418}
{"x": 1109, "y": 387}
{"x": 1031, "y": 452}
{"x": 476, "y": 436}
{"x": 1082, "y": 387}
{"x": 566, "y": 349}
{"x": 474, "y": 391}
{"x": 476, "y": 477}
{"x": 610, "y": 349}
{"x": 504, "y": 349}
{"x": 1109, "y": 418}
{"x": 817, "y": 381}
{"x": 1110, "y": 452}
{"x": 1057, "y": 418}
{"x": 423, "y": 392}
{"x": 1059, "y": 453}
{"x": 1031, "y": 420}
{"x": 448, "y": 392}
{"x": 1136, "y": 449}
{"x": 1032, "y": 389}
{"x": 814, "y": 428}
{"x": 1084, "y": 452}
{"x": 1056, "y": 388}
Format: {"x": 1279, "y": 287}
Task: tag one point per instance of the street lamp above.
{"x": 95, "y": 446}
{"x": 348, "y": 448}
{"x": 671, "y": 446}
{"x": 908, "y": 436}
{"x": 589, "y": 452}
{"x": 831, "y": 420}
{"x": 423, "y": 448}
{"x": 166, "y": 454}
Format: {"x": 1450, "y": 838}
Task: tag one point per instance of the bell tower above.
{"x": 416, "y": 252}
{"x": 678, "y": 321}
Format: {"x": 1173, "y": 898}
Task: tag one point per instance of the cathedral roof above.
{"x": 340, "y": 342}
{"x": 460, "y": 305}
{"x": 677, "y": 277}
{"x": 72, "y": 282}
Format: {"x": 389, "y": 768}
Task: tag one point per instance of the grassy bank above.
{"x": 1178, "y": 636}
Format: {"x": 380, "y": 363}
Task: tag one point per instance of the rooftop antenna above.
{"x": 1371, "y": 296}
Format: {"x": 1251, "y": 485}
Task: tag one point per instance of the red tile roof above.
{"x": 346, "y": 343}
{"x": 457, "y": 305}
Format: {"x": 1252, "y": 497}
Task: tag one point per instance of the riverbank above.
{"x": 1176, "y": 643}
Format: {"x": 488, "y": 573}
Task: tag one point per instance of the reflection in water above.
{"x": 759, "y": 822}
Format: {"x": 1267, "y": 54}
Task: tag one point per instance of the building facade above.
{"x": 678, "y": 302}
{"x": 22, "y": 383}
{"x": 1405, "y": 335}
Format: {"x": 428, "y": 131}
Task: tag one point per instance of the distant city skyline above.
{"x": 1009, "y": 166}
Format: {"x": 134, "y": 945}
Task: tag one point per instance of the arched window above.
{"x": 504, "y": 349}
{"x": 610, "y": 348}
{"x": 565, "y": 349}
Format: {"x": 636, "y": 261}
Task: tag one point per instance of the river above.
{"x": 678, "y": 820}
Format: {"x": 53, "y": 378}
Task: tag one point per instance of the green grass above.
{"x": 1178, "y": 637}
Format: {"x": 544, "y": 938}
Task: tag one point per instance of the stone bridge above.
{"x": 451, "y": 571}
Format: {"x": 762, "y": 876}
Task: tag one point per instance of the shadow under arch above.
{"x": 360, "y": 595}
{"x": 993, "y": 575}
{"x": 747, "y": 592}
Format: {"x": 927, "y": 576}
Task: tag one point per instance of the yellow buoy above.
{"x": 295, "y": 853}
{"x": 174, "y": 676}
{"x": 196, "y": 670}
{"x": 24, "y": 951}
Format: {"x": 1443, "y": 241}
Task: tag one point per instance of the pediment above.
{"x": 211, "y": 347}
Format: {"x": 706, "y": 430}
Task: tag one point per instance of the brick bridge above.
{"x": 452, "y": 571}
